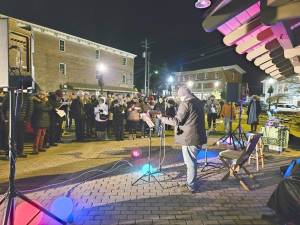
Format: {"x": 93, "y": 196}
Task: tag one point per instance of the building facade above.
{"x": 205, "y": 82}
{"x": 286, "y": 91}
{"x": 57, "y": 60}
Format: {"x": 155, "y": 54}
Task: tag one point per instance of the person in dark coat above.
{"x": 78, "y": 113}
{"x": 23, "y": 106}
{"x": 55, "y": 128}
{"x": 89, "y": 113}
{"x": 160, "y": 107}
{"x": 190, "y": 125}
{"x": 3, "y": 133}
{"x": 40, "y": 120}
{"x": 253, "y": 112}
{"x": 118, "y": 110}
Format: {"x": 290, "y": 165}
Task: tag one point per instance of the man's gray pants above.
{"x": 190, "y": 159}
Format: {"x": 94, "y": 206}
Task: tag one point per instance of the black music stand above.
{"x": 151, "y": 174}
{"x": 12, "y": 192}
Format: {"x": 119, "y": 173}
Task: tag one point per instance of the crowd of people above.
{"x": 48, "y": 115}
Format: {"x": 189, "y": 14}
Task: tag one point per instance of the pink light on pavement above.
{"x": 136, "y": 153}
{"x": 27, "y": 214}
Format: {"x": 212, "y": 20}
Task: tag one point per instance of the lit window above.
{"x": 216, "y": 75}
{"x": 62, "y": 69}
{"x": 205, "y": 76}
{"x": 124, "y": 79}
{"x": 97, "y": 54}
{"x": 62, "y": 45}
{"x": 124, "y": 61}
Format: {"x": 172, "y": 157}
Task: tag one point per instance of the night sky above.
{"x": 174, "y": 27}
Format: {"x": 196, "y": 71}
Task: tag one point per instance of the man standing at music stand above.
{"x": 190, "y": 132}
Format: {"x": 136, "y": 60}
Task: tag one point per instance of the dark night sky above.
{"x": 173, "y": 25}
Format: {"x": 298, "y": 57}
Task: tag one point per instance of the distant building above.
{"x": 286, "y": 91}
{"x": 205, "y": 82}
{"x": 57, "y": 60}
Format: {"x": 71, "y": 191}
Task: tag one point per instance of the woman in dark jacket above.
{"x": 40, "y": 120}
{"x": 253, "y": 112}
{"x": 118, "y": 111}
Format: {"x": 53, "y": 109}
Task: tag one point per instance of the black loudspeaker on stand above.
{"x": 12, "y": 192}
{"x": 236, "y": 136}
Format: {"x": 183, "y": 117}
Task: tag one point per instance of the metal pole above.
{"x": 146, "y": 65}
{"x": 149, "y": 74}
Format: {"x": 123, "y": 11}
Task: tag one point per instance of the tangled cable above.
{"x": 113, "y": 168}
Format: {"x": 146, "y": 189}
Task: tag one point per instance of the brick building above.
{"x": 205, "y": 82}
{"x": 57, "y": 60}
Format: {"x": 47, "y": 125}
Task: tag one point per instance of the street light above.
{"x": 101, "y": 68}
{"x": 170, "y": 79}
{"x": 217, "y": 84}
{"x": 190, "y": 84}
{"x": 156, "y": 71}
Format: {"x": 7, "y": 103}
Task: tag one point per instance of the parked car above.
{"x": 284, "y": 107}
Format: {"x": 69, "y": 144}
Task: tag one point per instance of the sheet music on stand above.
{"x": 147, "y": 119}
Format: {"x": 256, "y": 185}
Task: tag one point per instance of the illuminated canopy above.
{"x": 267, "y": 32}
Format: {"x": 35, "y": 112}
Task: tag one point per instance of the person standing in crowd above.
{"x": 253, "y": 112}
{"x": 190, "y": 126}
{"x": 101, "y": 117}
{"x": 133, "y": 117}
{"x": 3, "y": 136}
{"x": 40, "y": 120}
{"x": 24, "y": 107}
{"x": 160, "y": 107}
{"x": 228, "y": 113}
{"x": 118, "y": 111}
{"x": 89, "y": 113}
{"x": 212, "y": 107}
{"x": 145, "y": 105}
{"x": 170, "y": 110}
{"x": 77, "y": 111}
{"x": 55, "y": 128}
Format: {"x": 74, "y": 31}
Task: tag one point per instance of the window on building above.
{"x": 199, "y": 76}
{"x": 97, "y": 54}
{"x": 205, "y": 76}
{"x": 124, "y": 61}
{"x": 62, "y": 69}
{"x": 62, "y": 45}
{"x": 124, "y": 79}
{"x": 216, "y": 76}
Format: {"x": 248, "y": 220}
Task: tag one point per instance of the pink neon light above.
{"x": 239, "y": 19}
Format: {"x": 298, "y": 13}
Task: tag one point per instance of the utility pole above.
{"x": 146, "y": 44}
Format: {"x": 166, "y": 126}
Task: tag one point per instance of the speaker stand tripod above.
{"x": 230, "y": 138}
{"x": 12, "y": 192}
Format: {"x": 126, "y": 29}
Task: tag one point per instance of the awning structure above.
{"x": 267, "y": 32}
{"x": 95, "y": 87}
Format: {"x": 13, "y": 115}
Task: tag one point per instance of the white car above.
{"x": 283, "y": 107}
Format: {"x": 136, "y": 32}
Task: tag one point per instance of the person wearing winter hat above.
{"x": 190, "y": 125}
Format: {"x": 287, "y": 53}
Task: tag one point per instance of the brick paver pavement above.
{"x": 111, "y": 199}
